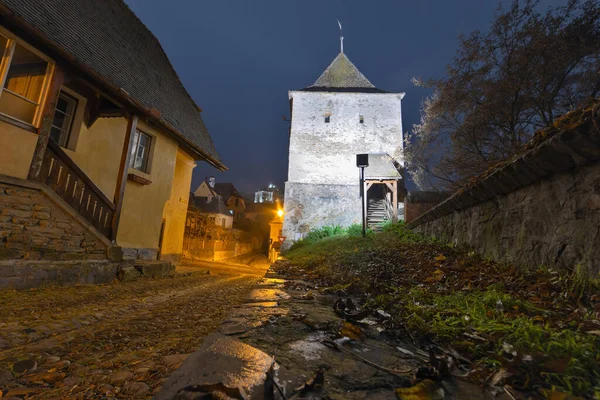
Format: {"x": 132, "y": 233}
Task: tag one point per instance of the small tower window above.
{"x": 361, "y": 119}
{"x": 327, "y": 118}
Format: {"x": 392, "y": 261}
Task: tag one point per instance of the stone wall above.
{"x": 23, "y": 274}
{"x": 311, "y": 206}
{"x": 204, "y": 248}
{"x": 540, "y": 208}
{"x": 34, "y": 227}
{"x": 325, "y": 153}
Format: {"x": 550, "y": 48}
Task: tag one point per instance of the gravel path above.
{"x": 119, "y": 340}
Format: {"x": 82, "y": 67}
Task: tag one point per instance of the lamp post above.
{"x": 362, "y": 161}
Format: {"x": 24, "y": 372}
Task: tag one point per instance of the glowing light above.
{"x": 280, "y": 213}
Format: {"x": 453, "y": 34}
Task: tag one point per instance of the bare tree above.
{"x": 502, "y": 86}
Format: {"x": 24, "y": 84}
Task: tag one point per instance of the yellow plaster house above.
{"x": 98, "y": 136}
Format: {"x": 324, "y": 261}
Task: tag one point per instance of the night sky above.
{"x": 238, "y": 59}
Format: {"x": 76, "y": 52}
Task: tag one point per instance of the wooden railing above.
{"x": 68, "y": 181}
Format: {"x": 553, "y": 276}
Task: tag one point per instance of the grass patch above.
{"x": 534, "y": 323}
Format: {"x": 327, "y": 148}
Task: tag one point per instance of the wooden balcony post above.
{"x": 49, "y": 105}
{"x": 123, "y": 169}
{"x": 395, "y": 201}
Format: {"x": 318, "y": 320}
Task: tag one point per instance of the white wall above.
{"x": 325, "y": 153}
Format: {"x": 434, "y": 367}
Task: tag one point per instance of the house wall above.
{"x": 98, "y": 151}
{"x": 239, "y": 209}
{"x": 322, "y": 187}
{"x": 175, "y": 211}
{"x": 143, "y": 205}
{"x": 16, "y": 150}
{"x": 203, "y": 190}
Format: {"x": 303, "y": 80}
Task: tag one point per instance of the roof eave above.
{"x": 119, "y": 93}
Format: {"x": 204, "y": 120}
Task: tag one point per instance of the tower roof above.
{"x": 343, "y": 76}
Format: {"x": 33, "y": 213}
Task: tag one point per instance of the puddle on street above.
{"x": 311, "y": 347}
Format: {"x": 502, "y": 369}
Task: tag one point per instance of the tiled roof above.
{"x": 342, "y": 75}
{"x": 108, "y": 38}
{"x": 226, "y": 190}
{"x": 215, "y": 206}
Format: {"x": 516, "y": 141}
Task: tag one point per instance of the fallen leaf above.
{"x": 313, "y": 383}
{"x": 350, "y": 330}
{"x": 426, "y": 390}
{"x": 440, "y": 258}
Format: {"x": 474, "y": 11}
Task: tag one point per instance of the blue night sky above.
{"x": 238, "y": 59}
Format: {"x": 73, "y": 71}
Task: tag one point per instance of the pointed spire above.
{"x": 342, "y": 73}
{"x": 341, "y": 37}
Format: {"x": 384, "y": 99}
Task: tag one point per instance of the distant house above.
{"x": 270, "y": 194}
{"x": 232, "y": 198}
{"x": 214, "y": 209}
{"x": 98, "y": 136}
{"x": 206, "y": 189}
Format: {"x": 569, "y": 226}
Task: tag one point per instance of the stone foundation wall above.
{"x": 24, "y": 274}
{"x": 540, "y": 208}
{"x": 34, "y": 227}
{"x": 310, "y": 206}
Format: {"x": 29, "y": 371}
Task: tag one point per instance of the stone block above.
{"x": 114, "y": 253}
{"x": 22, "y": 207}
{"x": 17, "y": 213}
{"x": 155, "y": 269}
{"x": 147, "y": 254}
{"x": 129, "y": 253}
{"x": 41, "y": 215}
{"x": 63, "y": 225}
{"x": 39, "y": 207}
{"x": 19, "y": 238}
{"x": 128, "y": 274}
{"x": 9, "y": 253}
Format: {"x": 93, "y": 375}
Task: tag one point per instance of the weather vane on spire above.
{"x": 341, "y": 36}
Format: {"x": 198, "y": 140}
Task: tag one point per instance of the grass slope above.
{"x": 539, "y": 326}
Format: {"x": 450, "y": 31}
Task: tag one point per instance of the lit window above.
{"x": 327, "y": 119}
{"x": 140, "y": 151}
{"x": 63, "y": 119}
{"x": 24, "y": 75}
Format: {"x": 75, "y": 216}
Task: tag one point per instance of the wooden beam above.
{"x": 365, "y": 204}
{"x": 395, "y": 201}
{"x": 390, "y": 186}
{"x": 47, "y": 115}
{"x": 123, "y": 171}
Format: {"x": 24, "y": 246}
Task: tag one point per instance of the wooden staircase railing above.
{"x": 68, "y": 181}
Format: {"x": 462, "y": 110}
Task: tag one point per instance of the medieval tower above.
{"x": 339, "y": 116}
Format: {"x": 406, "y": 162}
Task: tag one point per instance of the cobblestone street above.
{"x": 118, "y": 340}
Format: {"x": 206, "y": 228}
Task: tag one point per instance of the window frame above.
{"x": 7, "y": 55}
{"x": 148, "y": 154}
{"x": 73, "y": 116}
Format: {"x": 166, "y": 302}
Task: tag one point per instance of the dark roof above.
{"x": 343, "y": 76}
{"x": 226, "y": 190}
{"x": 382, "y": 166}
{"x": 215, "y": 206}
{"x": 108, "y": 39}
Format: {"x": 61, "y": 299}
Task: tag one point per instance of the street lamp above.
{"x": 362, "y": 161}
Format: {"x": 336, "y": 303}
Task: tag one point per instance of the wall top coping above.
{"x": 571, "y": 142}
